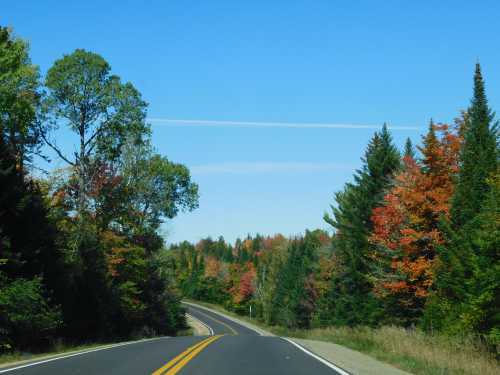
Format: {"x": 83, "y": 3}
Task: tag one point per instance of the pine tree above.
{"x": 409, "y": 151}
{"x": 289, "y": 308}
{"x": 352, "y": 288}
{"x": 479, "y": 156}
{"x": 467, "y": 281}
{"x": 468, "y": 277}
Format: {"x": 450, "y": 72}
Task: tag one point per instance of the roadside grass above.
{"x": 409, "y": 350}
{"x": 186, "y": 332}
{"x": 57, "y": 349}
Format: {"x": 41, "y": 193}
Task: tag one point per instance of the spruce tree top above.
{"x": 409, "y": 151}
{"x": 479, "y": 156}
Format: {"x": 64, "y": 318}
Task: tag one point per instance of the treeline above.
{"x": 415, "y": 243}
{"x": 80, "y": 254}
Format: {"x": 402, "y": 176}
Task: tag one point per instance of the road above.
{"x": 232, "y": 349}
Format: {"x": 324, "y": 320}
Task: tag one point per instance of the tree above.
{"x": 352, "y": 288}
{"x": 406, "y": 226}
{"x": 29, "y": 260}
{"x": 467, "y": 292}
{"x": 479, "y": 156}
{"x": 19, "y": 98}
{"x": 156, "y": 188}
{"x": 102, "y": 111}
{"x": 467, "y": 284}
{"x": 292, "y": 302}
{"x": 409, "y": 151}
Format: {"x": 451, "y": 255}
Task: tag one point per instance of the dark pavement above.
{"x": 239, "y": 350}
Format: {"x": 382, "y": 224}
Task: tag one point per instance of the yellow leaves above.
{"x": 212, "y": 267}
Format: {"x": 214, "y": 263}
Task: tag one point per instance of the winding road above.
{"x": 231, "y": 349}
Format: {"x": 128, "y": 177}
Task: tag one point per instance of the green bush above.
{"x": 26, "y": 317}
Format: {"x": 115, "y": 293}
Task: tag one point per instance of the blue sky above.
{"x": 267, "y": 62}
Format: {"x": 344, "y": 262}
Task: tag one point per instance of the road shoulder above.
{"x": 198, "y": 327}
{"x": 350, "y": 360}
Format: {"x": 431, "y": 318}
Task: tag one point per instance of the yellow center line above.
{"x": 218, "y": 321}
{"x": 174, "y": 370}
{"x": 182, "y": 355}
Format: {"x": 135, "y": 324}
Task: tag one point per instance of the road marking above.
{"x": 79, "y": 353}
{"x": 218, "y": 321}
{"x": 257, "y": 330}
{"x": 174, "y": 370}
{"x": 210, "y": 330}
{"x": 322, "y": 360}
{"x": 192, "y": 349}
{"x": 180, "y": 356}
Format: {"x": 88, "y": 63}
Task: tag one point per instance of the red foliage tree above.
{"x": 406, "y": 230}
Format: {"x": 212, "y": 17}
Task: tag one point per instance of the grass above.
{"x": 57, "y": 349}
{"x": 410, "y": 350}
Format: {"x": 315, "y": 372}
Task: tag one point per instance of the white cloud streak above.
{"x": 266, "y": 167}
{"x": 252, "y": 124}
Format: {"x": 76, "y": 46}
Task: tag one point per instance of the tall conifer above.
{"x": 409, "y": 151}
{"x": 479, "y": 156}
{"x": 351, "y": 293}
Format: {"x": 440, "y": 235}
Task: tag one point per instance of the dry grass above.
{"x": 410, "y": 350}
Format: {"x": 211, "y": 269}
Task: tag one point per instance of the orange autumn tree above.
{"x": 406, "y": 228}
{"x": 243, "y": 285}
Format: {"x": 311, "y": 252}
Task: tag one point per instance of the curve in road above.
{"x": 233, "y": 349}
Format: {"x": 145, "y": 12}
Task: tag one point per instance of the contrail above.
{"x": 217, "y": 123}
{"x": 267, "y": 167}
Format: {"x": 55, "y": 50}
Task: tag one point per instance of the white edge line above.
{"x": 79, "y": 353}
{"x": 210, "y": 330}
{"x": 322, "y": 360}
{"x": 260, "y": 333}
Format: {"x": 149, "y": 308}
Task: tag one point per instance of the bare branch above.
{"x": 55, "y": 148}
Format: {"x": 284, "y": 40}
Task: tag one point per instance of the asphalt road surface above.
{"x": 232, "y": 350}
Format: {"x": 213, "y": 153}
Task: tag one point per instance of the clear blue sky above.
{"x": 334, "y": 62}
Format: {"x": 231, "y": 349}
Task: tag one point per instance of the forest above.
{"x": 413, "y": 239}
{"x": 81, "y": 257}
{"x": 414, "y": 243}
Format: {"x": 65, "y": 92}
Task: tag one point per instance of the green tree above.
{"x": 353, "y": 301}
{"x": 102, "y": 111}
{"x": 28, "y": 319}
{"x": 30, "y": 261}
{"x": 291, "y": 301}
{"x": 468, "y": 274}
{"x": 479, "y": 156}
{"x": 150, "y": 189}
{"x": 409, "y": 151}
{"x": 19, "y": 98}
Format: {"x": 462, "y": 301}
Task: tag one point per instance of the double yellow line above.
{"x": 176, "y": 364}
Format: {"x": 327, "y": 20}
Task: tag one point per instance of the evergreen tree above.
{"x": 479, "y": 156}
{"x": 468, "y": 276}
{"x": 352, "y": 289}
{"x": 409, "y": 151}
{"x": 290, "y": 309}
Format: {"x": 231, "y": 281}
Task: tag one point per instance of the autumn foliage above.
{"x": 406, "y": 227}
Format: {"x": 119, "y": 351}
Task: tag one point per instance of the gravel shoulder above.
{"x": 350, "y": 360}
{"x": 199, "y": 329}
